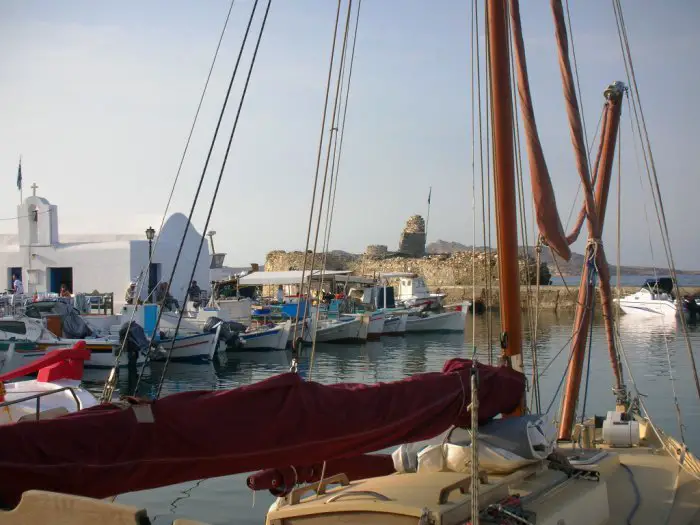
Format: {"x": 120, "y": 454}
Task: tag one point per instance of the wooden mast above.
{"x": 504, "y": 176}
{"x": 603, "y": 170}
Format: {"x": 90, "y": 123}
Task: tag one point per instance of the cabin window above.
{"x": 13, "y": 327}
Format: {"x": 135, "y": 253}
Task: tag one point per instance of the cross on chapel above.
{"x": 34, "y": 188}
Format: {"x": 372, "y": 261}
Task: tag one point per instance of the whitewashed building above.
{"x": 105, "y": 263}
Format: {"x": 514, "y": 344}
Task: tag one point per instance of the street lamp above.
{"x": 150, "y": 234}
{"x": 211, "y": 234}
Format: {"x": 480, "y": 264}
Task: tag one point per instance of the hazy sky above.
{"x": 98, "y": 98}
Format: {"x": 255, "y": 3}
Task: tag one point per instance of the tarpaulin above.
{"x": 283, "y": 420}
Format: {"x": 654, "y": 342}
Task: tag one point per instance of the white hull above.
{"x": 650, "y": 308}
{"x": 268, "y": 338}
{"x": 17, "y": 357}
{"x": 339, "y": 331}
{"x": 376, "y": 326}
{"x": 197, "y": 347}
{"x": 447, "y": 321}
{"x": 58, "y": 403}
{"x": 395, "y": 324}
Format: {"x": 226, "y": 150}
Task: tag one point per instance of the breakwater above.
{"x": 549, "y": 297}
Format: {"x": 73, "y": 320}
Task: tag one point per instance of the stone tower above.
{"x": 412, "y": 241}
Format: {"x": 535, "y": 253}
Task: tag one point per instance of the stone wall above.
{"x": 459, "y": 268}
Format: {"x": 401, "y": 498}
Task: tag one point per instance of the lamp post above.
{"x": 211, "y": 234}
{"x": 150, "y": 234}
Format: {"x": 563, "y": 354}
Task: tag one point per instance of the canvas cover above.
{"x": 283, "y": 420}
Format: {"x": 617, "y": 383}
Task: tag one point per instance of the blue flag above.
{"x": 429, "y": 194}
{"x": 19, "y": 176}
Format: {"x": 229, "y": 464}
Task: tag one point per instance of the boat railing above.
{"x": 38, "y": 395}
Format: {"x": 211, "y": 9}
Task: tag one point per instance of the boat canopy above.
{"x": 284, "y": 420}
{"x": 290, "y": 277}
{"x": 662, "y": 284}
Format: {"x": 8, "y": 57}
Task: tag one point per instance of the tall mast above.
{"x": 504, "y": 175}
{"x": 594, "y": 252}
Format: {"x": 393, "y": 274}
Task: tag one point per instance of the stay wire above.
{"x": 490, "y": 172}
{"x": 474, "y": 23}
{"x": 218, "y": 183}
{"x": 314, "y": 189}
{"x": 335, "y": 132}
{"x": 174, "y": 185}
{"x": 335, "y": 168}
{"x": 325, "y": 181}
{"x": 487, "y": 261}
{"x": 652, "y": 174}
{"x": 199, "y": 186}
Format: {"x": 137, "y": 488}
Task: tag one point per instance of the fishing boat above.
{"x": 428, "y": 321}
{"x": 376, "y": 325}
{"x": 31, "y": 339}
{"x": 266, "y": 337}
{"x": 56, "y": 390}
{"x": 350, "y": 329}
{"x": 395, "y": 323}
{"x": 413, "y": 291}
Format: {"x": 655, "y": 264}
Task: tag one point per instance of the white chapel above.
{"x": 104, "y": 262}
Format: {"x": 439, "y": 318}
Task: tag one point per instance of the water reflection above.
{"x": 227, "y": 500}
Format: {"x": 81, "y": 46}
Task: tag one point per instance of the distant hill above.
{"x": 441, "y": 246}
{"x": 572, "y": 267}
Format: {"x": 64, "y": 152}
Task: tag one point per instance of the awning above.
{"x": 290, "y": 277}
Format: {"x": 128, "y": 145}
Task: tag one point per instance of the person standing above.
{"x": 17, "y": 286}
{"x": 280, "y": 294}
{"x": 130, "y": 296}
{"x": 195, "y": 294}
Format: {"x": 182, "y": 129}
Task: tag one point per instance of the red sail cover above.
{"x": 284, "y": 420}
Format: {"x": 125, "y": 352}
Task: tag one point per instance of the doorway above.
{"x": 59, "y": 276}
{"x": 16, "y": 271}
{"x": 153, "y": 277}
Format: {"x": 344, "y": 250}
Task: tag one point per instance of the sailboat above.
{"x": 458, "y": 460}
{"x": 619, "y": 468}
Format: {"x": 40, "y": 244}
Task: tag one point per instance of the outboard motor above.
{"x": 692, "y": 307}
{"x": 228, "y": 333}
{"x": 136, "y": 340}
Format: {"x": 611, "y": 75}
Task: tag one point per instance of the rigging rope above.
{"x": 313, "y": 198}
{"x": 484, "y": 201}
{"x": 335, "y": 168}
{"x": 490, "y": 162}
{"x": 111, "y": 382}
{"x": 218, "y": 184}
{"x": 474, "y": 23}
{"x": 591, "y": 280}
{"x": 652, "y": 173}
{"x": 334, "y": 130}
{"x": 520, "y": 188}
{"x": 199, "y": 188}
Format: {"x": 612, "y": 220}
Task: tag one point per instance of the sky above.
{"x": 98, "y": 99}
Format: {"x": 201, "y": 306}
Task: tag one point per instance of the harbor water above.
{"x": 655, "y": 349}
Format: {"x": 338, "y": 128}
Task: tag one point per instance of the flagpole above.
{"x": 427, "y": 220}
{"x": 19, "y": 180}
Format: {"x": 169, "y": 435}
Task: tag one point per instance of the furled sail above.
{"x": 546, "y": 212}
{"x": 284, "y": 420}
